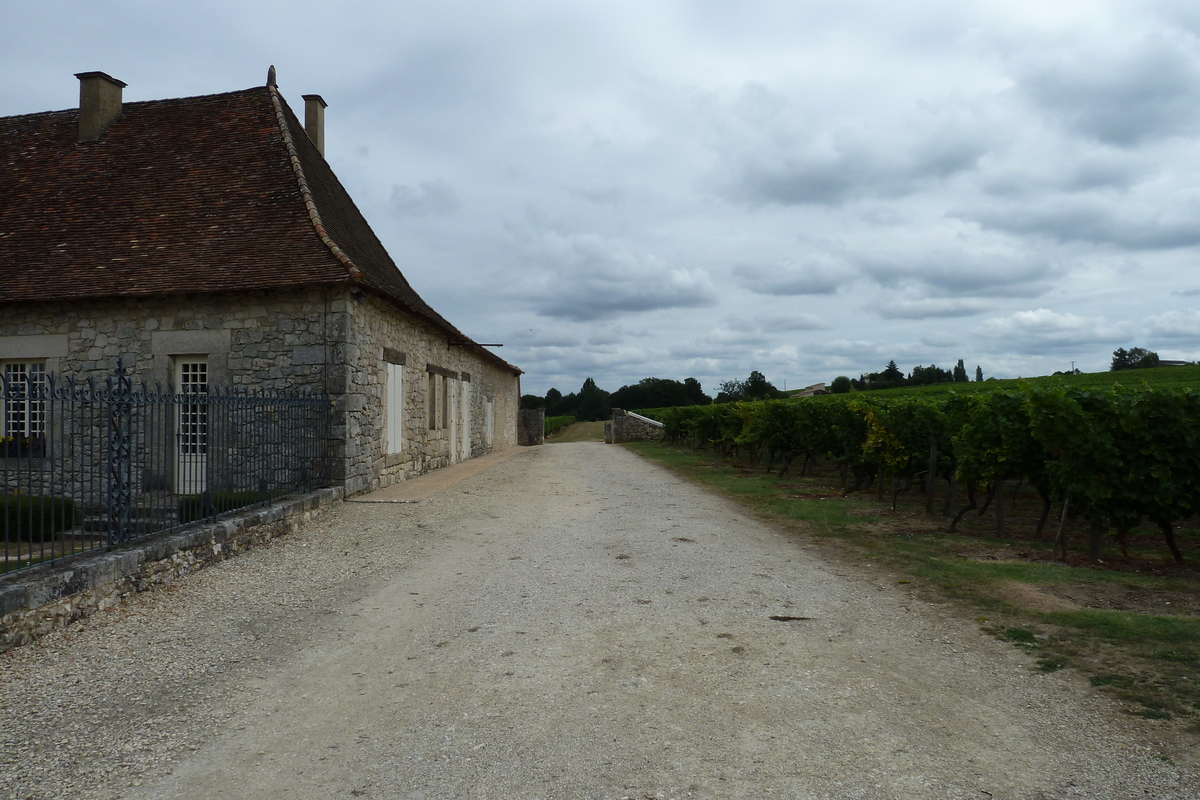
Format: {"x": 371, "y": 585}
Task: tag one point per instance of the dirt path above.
{"x": 571, "y": 623}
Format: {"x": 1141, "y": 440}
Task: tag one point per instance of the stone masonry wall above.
{"x": 379, "y": 332}
{"x": 281, "y": 340}
{"x": 628, "y": 427}
{"x": 330, "y": 340}
{"x": 48, "y": 597}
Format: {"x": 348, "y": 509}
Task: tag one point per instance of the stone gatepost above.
{"x": 531, "y": 426}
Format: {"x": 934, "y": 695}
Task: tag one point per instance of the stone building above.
{"x": 206, "y": 241}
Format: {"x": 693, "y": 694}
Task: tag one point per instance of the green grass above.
{"x": 1129, "y": 628}
{"x": 1144, "y": 658}
{"x": 578, "y": 432}
{"x": 556, "y": 423}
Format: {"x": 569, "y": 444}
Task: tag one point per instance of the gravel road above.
{"x": 573, "y": 623}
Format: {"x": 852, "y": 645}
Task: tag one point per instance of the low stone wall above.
{"x": 629, "y": 427}
{"x": 38, "y": 601}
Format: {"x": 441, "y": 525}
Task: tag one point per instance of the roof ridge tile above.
{"x": 306, "y": 193}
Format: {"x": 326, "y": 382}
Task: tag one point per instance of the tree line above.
{"x": 893, "y": 378}
{"x": 593, "y": 403}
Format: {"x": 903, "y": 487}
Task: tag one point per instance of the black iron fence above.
{"x": 90, "y": 465}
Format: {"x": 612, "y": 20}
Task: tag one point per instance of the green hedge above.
{"x": 36, "y": 518}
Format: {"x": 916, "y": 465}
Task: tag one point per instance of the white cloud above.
{"x": 1043, "y": 330}
{"x": 1183, "y": 323}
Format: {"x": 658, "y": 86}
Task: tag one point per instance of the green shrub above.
{"x": 36, "y": 518}
{"x": 194, "y": 506}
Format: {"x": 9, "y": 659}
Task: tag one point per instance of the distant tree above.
{"x": 924, "y": 376}
{"x": 890, "y": 378}
{"x": 731, "y": 392}
{"x": 756, "y": 387}
{"x": 960, "y": 372}
{"x": 532, "y": 401}
{"x": 555, "y": 405}
{"x": 1133, "y": 358}
{"x": 593, "y": 402}
{"x": 978, "y": 373}
{"x": 695, "y": 392}
{"x": 841, "y": 385}
{"x": 658, "y": 393}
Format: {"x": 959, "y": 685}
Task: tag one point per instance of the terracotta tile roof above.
{"x": 200, "y": 194}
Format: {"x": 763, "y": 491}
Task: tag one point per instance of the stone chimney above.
{"x": 99, "y": 104}
{"x": 314, "y": 120}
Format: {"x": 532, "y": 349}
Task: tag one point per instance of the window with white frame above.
{"x": 24, "y": 404}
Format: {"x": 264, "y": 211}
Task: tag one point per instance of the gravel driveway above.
{"x": 570, "y": 623}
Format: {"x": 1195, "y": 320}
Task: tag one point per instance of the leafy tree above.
{"x": 960, "y": 372}
{"x": 892, "y": 374}
{"x": 532, "y": 401}
{"x": 731, "y": 392}
{"x": 557, "y": 405}
{"x": 979, "y": 374}
{"x": 759, "y": 388}
{"x": 756, "y": 387}
{"x": 841, "y": 385}
{"x": 1133, "y": 358}
{"x": 593, "y": 402}
{"x": 695, "y": 392}
{"x": 924, "y": 376}
{"x": 659, "y": 393}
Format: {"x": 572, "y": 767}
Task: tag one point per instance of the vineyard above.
{"x": 1115, "y": 457}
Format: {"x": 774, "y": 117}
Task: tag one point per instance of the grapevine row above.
{"x": 1116, "y": 456}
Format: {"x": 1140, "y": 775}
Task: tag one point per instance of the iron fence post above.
{"x": 120, "y": 455}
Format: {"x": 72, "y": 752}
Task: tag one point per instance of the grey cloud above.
{"x": 600, "y": 195}
{"x": 427, "y": 198}
{"x": 932, "y": 308}
{"x": 775, "y": 323}
{"x": 1042, "y": 330}
{"x": 1099, "y": 219}
{"x": 590, "y": 298}
{"x": 1150, "y": 91}
{"x": 945, "y": 273}
{"x": 771, "y": 153}
{"x": 810, "y": 277}
{"x": 1069, "y": 172}
{"x": 547, "y": 339}
{"x": 939, "y": 339}
{"x": 816, "y": 176}
{"x": 586, "y": 277}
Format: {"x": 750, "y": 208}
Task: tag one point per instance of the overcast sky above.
{"x": 701, "y": 188}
